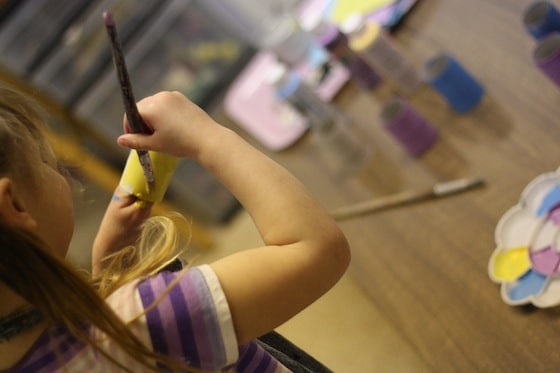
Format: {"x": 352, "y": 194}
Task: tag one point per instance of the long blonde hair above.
{"x": 62, "y": 293}
{"x": 161, "y": 242}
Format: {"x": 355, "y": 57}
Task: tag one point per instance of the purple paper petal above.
{"x": 546, "y": 261}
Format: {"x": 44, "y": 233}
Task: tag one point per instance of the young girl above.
{"x": 203, "y": 318}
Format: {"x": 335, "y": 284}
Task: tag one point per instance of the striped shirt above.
{"x": 191, "y": 322}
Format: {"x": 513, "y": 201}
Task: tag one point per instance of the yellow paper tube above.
{"x": 134, "y": 182}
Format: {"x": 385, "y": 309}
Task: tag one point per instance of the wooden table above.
{"x": 425, "y": 265}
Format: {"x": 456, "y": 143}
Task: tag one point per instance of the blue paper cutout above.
{"x": 530, "y": 283}
{"x": 550, "y": 201}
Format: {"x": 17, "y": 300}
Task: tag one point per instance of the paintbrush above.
{"x": 135, "y": 121}
{"x": 439, "y": 190}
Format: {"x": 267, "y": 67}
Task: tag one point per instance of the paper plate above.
{"x": 526, "y": 260}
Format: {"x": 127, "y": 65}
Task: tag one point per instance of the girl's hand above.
{"x": 120, "y": 227}
{"x": 180, "y": 127}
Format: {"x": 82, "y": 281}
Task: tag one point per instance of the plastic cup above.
{"x": 453, "y": 82}
{"x": 541, "y": 19}
{"x": 547, "y": 57}
{"x": 408, "y": 127}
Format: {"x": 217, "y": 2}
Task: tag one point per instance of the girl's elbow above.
{"x": 343, "y": 253}
{"x": 340, "y": 253}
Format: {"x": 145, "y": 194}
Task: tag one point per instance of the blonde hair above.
{"x": 61, "y": 292}
{"x": 161, "y": 242}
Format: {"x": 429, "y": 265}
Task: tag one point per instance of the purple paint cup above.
{"x": 547, "y": 56}
{"x": 408, "y": 127}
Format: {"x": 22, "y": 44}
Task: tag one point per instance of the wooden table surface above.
{"x": 425, "y": 265}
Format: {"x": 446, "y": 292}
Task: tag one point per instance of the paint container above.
{"x": 291, "y": 88}
{"x": 408, "y": 127}
{"x": 342, "y": 148}
{"x": 541, "y": 19}
{"x": 370, "y": 42}
{"x": 329, "y": 36}
{"x": 133, "y": 180}
{"x": 453, "y": 82}
{"x": 547, "y": 56}
{"x": 293, "y": 47}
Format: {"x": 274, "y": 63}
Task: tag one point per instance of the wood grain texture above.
{"x": 425, "y": 265}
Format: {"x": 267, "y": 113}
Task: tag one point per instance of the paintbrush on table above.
{"x": 135, "y": 121}
{"x": 439, "y": 190}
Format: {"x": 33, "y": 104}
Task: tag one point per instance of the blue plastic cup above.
{"x": 453, "y": 82}
{"x": 541, "y": 19}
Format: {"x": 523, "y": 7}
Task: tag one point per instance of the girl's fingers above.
{"x": 122, "y": 198}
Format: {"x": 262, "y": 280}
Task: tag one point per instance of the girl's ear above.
{"x": 12, "y": 209}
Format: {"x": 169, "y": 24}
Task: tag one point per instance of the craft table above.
{"x": 425, "y": 265}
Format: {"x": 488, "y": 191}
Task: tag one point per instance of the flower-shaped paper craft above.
{"x": 526, "y": 261}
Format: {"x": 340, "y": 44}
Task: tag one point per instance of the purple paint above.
{"x": 547, "y": 56}
{"x": 108, "y": 18}
{"x": 408, "y": 127}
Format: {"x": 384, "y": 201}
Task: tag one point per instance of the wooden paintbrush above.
{"x": 135, "y": 121}
{"x": 439, "y": 190}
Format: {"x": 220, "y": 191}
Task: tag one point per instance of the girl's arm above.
{"x": 304, "y": 252}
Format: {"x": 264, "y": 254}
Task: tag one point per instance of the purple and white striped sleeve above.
{"x": 193, "y": 321}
